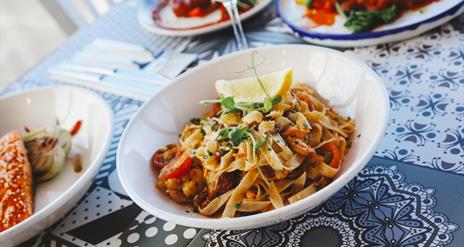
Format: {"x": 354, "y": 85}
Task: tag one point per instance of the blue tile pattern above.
{"x": 377, "y": 208}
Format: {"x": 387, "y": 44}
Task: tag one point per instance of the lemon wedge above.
{"x": 248, "y": 89}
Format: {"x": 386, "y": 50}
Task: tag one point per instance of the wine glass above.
{"x": 232, "y": 10}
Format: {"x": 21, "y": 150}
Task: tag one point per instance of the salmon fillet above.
{"x": 16, "y": 202}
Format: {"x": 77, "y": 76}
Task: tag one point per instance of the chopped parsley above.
{"x": 195, "y": 121}
{"x": 328, "y": 156}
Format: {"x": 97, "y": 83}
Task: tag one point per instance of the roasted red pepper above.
{"x": 330, "y": 147}
{"x": 75, "y": 128}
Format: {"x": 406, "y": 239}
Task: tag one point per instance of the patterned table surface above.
{"x": 410, "y": 194}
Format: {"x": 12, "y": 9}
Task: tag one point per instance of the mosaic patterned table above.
{"x": 410, "y": 194}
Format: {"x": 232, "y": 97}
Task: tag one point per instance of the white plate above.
{"x": 38, "y": 108}
{"x": 411, "y": 24}
{"x": 351, "y": 86}
{"x": 145, "y": 8}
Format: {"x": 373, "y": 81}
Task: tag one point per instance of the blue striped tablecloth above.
{"x": 410, "y": 194}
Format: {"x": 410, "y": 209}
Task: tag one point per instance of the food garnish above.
{"x": 48, "y": 149}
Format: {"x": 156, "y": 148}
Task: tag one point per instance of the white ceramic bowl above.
{"x": 38, "y": 108}
{"x": 145, "y": 8}
{"x": 349, "y": 85}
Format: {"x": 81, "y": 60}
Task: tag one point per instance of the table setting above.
{"x": 130, "y": 83}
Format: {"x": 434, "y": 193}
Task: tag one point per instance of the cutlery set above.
{"x": 122, "y": 68}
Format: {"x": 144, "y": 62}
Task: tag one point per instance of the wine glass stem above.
{"x": 232, "y": 10}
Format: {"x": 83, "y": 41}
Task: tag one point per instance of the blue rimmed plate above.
{"x": 410, "y": 24}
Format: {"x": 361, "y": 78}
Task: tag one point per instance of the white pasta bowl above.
{"x": 350, "y": 86}
{"x": 39, "y": 108}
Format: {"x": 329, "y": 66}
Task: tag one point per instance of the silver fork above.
{"x": 232, "y": 10}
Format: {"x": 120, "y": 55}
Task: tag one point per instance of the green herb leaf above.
{"x": 214, "y": 127}
{"x": 237, "y": 206}
{"x": 259, "y": 144}
{"x": 276, "y": 100}
{"x": 228, "y": 102}
{"x": 328, "y": 156}
{"x": 224, "y": 133}
{"x": 238, "y": 134}
{"x": 267, "y": 105}
{"x": 195, "y": 121}
{"x": 235, "y": 134}
{"x": 363, "y": 21}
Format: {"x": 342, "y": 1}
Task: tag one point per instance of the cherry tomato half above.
{"x": 177, "y": 167}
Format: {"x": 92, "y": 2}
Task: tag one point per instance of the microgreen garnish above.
{"x": 276, "y": 100}
{"x": 195, "y": 121}
{"x": 235, "y": 134}
{"x": 230, "y": 106}
{"x": 268, "y": 100}
{"x": 259, "y": 144}
{"x": 228, "y": 102}
{"x": 238, "y": 134}
{"x": 339, "y": 9}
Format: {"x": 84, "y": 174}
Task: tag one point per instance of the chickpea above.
{"x": 212, "y": 146}
{"x": 230, "y": 119}
{"x": 190, "y": 188}
{"x": 173, "y": 184}
{"x": 193, "y": 182}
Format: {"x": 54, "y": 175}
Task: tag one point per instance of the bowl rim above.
{"x": 234, "y": 223}
{"x": 88, "y": 173}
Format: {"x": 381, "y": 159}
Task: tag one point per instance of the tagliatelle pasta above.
{"x": 242, "y": 158}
